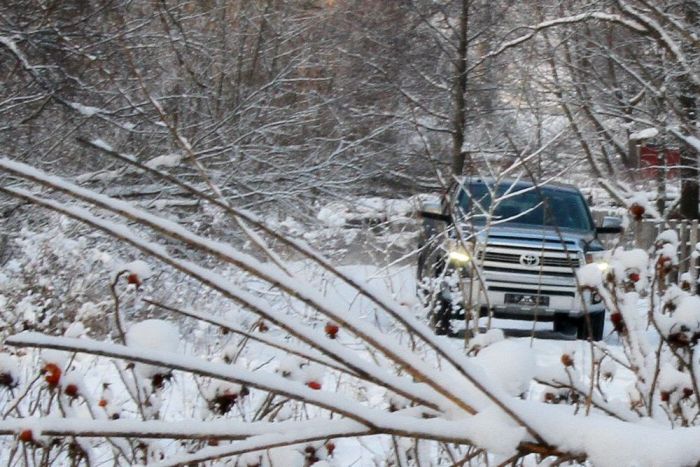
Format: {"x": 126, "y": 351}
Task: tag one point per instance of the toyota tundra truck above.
{"x": 510, "y": 249}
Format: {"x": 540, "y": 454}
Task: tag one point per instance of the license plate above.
{"x": 526, "y": 299}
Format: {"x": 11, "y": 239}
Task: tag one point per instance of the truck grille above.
{"x": 545, "y": 260}
{"x": 534, "y": 260}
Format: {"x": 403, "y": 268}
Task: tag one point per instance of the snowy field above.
{"x": 185, "y": 398}
{"x": 237, "y": 373}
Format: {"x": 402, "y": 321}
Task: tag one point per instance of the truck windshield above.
{"x": 517, "y": 204}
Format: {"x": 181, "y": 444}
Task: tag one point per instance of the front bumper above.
{"x": 562, "y": 296}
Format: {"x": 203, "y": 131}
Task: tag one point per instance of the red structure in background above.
{"x": 650, "y": 161}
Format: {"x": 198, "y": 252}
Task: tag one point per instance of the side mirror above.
{"x": 431, "y": 209}
{"x": 611, "y": 225}
{"x": 438, "y": 216}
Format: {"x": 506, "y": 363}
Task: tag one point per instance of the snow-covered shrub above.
{"x": 53, "y": 277}
{"x": 291, "y": 368}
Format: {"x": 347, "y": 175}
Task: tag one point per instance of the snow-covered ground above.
{"x": 250, "y": 358}
{"x": 185, "y": 398}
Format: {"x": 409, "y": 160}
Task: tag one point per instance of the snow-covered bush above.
{"x": 284, "y": 369}
{"x": 53, "y": 277}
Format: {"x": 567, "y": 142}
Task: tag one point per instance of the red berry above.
{"x": 330, "y": 447}
{"x": 687, "y": 392}
{"x": 133, "y": 278}
{"x": 566, "y": 360}
{"x": 26, "y": 436}
{"x": 102, "y": 403}
{"x": 665, "y": 396}
{"x": 634, "y": 277}
{"x": 314, "y": 385}
{"x": 637, "y": 210}
{"x": 53, "y": 374}
{"x": 331, "y": 329}
{"x": 311, "y": 456}
{"x": 618, "y": 322}
{"x": 71, "y": 390}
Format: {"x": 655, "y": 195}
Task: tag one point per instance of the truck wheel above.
{"x": 566, "y": 325}
{"x": 431, "y": 266}
{"x": 439, "y": 303}
{"x": 440, "y": 317}
{"x": 597, "y": 326}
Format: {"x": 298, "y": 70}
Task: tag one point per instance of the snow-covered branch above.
{"x": 392, "y": 350}
{"x": 544, "y": 25}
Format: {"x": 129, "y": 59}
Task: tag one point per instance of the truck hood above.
{"x": 574, "y": 240}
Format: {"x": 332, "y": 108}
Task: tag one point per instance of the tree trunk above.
{"x": 690, "y": 195}
{"x": 460, "y": 90}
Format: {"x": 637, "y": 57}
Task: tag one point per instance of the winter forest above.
{"x": 247, "y": 233}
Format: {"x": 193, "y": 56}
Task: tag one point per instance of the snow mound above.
{"x": 590, "y": 275}
{"x": 668, "y": 236}
{"x": 485, "y": 339}
{"x": 86, "y": 110}
{"x": 632, "y": 259}
{"x": 167, "y": 160}
{"x": 141, "y": 268}
{"x": 495, "y": 431}
{"x": 333, "y": 215}
{"x": 509, "y": 363}
{"x": 75, "y": 330}
{"x": 644, "y": 134}
{"x": 153, "y": 334}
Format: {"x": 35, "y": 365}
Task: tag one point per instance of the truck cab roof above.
{"x": 516, "y": 183}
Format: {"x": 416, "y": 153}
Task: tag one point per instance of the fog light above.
{"x": 459, "y": 257}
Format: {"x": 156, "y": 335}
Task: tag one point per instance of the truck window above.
{"x": 525, "y": 205}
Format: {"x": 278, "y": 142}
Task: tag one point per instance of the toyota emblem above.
{"x": 529, "y": 260}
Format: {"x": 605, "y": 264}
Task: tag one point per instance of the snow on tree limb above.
{"x": 563, "y": 21}
{"x": 216, "y": 282}
{"x": 159, "y": 429}
{"x": 661, "y": 35}
{"x": 462, "y": 429}
{"x": 291, "y": 97}
{"x": 392, "y": 350}
{"x": 564, "y": 434}
{"x": 690, "y": 140}
{"x": 462, "y": 365}
{"x": 308, "y": 354}
{"x": 265, "y": 381}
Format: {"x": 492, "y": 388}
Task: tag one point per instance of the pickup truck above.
{"x": 510, "y": 249}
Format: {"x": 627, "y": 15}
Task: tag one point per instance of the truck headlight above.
{"x": 600, "y": 258}
{"x": 459, "y": 255}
